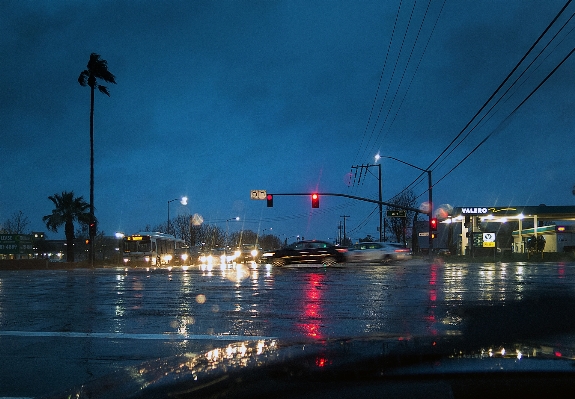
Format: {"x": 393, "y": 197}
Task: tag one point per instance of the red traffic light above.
{"x": 92, "y": 229}
{"x": 270, "y": 199}
{"x": 315, "y": 200}
{"x": 433, "y": 224}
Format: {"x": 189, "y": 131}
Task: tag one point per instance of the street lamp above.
{"x": 183, "y": 201}
{"x": 119, "y": 237}
{"x": 429, "y": 191}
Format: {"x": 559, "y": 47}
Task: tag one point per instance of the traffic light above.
{"x": 270, "y": 199}
{"x": 87, "y": 241}
{"x": 92, "y": 228}
{"x": 315, "y": 200}
{"x": 433, "y": 224}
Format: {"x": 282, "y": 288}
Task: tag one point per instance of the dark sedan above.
{"x": 307, "y": 253}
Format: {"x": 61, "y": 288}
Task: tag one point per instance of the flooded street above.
{"x": 60, "y": 328}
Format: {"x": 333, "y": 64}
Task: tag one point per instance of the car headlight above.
{"x": 254, "y": 252}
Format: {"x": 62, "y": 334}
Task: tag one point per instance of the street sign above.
{"x": 258, "y": 194}
{"x": 424, "y": 234}
{"x": 396, "y": 214}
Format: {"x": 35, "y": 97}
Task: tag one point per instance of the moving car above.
{"x": 182, "y": 257}
{"x": 307, "y": 252}
{"x": 381, "y": 252}
{"x": 248, "y": 253}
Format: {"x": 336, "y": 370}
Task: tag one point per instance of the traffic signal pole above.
{"x": 355, "y": 198}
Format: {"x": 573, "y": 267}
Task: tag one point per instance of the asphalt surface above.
{"x": 61, "y": 328}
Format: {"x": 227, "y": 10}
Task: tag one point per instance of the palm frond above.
{"x": 104, "y": 89}
{"x": 98, "y": 68}
{"x": 83, "y": 78}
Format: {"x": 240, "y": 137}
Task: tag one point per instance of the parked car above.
{"x": 307, "y": 252}
{"x": 381, "y": 252}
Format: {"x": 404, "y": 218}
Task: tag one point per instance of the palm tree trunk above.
{"x": 90, "y": 233}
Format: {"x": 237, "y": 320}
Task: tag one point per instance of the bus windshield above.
{"x": 137, "y": 246}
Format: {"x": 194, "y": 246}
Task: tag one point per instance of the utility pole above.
{"x": 380, "y": 206}
{"x": 344, "y": 241}
{"x": 429, "y": 190}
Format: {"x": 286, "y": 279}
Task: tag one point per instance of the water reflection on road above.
{"x": 257, "y": 300}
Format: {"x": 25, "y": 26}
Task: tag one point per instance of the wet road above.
{"x": 59, "y": 328}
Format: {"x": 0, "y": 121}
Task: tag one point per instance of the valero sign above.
{"x": 474, "y": 211}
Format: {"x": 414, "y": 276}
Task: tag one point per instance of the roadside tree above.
{"x": 396, "y": 225}
{"x": 17, "y": 224}
{"x": 97, "y": 68}
{"x": 67, "y": 210}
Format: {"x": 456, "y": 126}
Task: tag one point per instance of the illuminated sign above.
{"x": 474, "y": 211}
{"x": 488, "y": 240}
{"x": 16, "y": 244}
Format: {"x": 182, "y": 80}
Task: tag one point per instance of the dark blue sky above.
{"x": 215, "y": 98}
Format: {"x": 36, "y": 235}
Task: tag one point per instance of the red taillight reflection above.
{"x": 402, "y": 250}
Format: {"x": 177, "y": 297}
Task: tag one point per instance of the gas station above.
{"x": 555, "y": 225}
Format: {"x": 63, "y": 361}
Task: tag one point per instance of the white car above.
{"x": 381, "y": 252}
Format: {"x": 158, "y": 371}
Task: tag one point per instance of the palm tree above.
{"x": 67, "y": 210}
{"x": 97, "y": 69}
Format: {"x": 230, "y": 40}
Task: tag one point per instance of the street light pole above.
{"x": 381, "y": 232}
{"x": 228, "y": 228}
{"x": 183, "y": 201}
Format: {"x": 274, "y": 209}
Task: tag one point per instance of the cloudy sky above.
{"x": 216, "y": 98}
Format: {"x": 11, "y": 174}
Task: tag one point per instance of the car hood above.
{"x": 400, "y": 366}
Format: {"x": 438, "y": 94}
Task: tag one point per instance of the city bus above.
{"x": 151, "y": 249}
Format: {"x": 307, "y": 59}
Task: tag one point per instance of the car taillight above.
{"x": 402, "y": 250}
{"x": 342, "y": 250}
